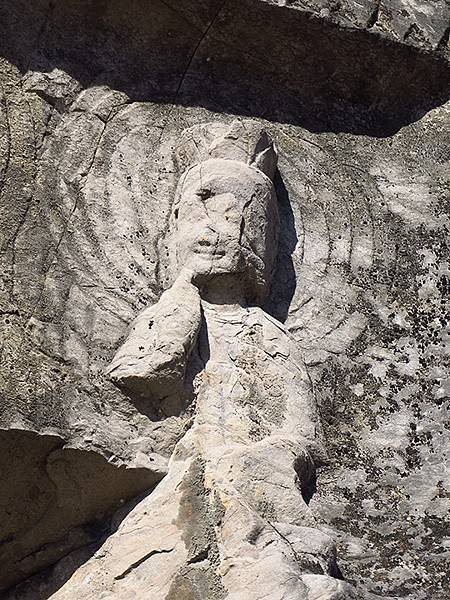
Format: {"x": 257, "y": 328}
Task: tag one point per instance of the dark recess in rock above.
{"x": 248, "y": 57}
{"x": 54, "y": 500}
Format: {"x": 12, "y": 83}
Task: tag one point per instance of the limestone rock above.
{"x": 94, "y": 98}
{"x": 229, "y": 518}
{"x": 233, "y": 507}
{"x": 416, "y": 22}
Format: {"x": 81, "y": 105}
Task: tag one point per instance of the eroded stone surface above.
{"x": 152, "y": 363}
{"x": 87, "y": 185}
{"x": 229, "y": 520}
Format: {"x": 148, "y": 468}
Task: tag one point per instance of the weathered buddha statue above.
{"x": 231, "y": 519}
{"x": 223, "y": 239}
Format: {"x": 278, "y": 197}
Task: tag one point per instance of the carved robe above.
{"x": 230, "y": 520}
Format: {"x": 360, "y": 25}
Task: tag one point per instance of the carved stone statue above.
{"x": 231, "y": 518}
{"x": 223, "y": 236}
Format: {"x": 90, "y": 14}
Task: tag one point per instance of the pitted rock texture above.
{"x": 152, "y": 363}
{"x": 94, "y": 98}
{"x": 232, "y": 509}
{"x": 230, "y": 520}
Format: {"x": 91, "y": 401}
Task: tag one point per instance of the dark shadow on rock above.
{"x": 143, "y": 405}
{"x": 47, "y": 582}
{"x": 305, "y": 470}
{"x": 200, "y": 356}
{"x": 284, "y": 280}
{"x": 56, "y": 500}
{"x": 240, "y": 56}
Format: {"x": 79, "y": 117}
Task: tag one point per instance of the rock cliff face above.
{"x": 95, "y": 97}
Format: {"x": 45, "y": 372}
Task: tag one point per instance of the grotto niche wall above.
{"x": 255, "y": 192}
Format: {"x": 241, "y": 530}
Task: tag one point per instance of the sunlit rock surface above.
{"x": 94, "y": 98}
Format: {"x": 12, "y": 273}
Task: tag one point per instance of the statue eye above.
{"x": 204, "y": 193}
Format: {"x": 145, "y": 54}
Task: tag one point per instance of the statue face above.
{"x": 225, "y": 218}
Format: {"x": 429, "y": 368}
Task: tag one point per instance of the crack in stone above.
{"x": 373, "y": 18}
{"x": 139, "y": 562}
{"x": 194, "y": 53}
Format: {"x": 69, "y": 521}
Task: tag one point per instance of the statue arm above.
{"x": 151, "y": 363}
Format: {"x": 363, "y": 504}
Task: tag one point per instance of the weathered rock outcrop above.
{"x": 94, "y": 97}
{"x": 57, "y": 499}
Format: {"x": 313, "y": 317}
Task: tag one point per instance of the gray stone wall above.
{"x": 94, "y": 97}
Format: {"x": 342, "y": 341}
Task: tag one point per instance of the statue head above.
{"x": 224, "y": 218}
